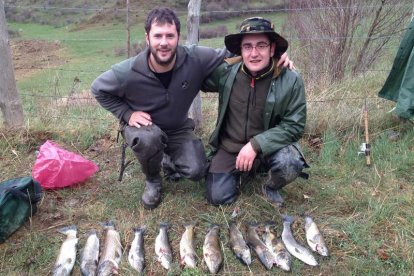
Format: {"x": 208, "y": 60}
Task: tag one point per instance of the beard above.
{"x": 158, "y": 60}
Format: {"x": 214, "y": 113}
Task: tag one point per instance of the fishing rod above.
{"x": 367, "y": 146}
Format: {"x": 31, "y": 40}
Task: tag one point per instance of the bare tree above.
{"x": 341, "y": 36}
{"x": 10, "y": 103}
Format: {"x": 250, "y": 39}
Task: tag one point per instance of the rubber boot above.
{"x": 272, "y": 195}
{"x": 169, "y": 169}
{"x": 151, "y": 197}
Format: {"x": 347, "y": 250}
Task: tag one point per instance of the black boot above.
{"x": 168, "y": 167}
{"x": 272, "y": 195}
{"x": 151, "y": 197}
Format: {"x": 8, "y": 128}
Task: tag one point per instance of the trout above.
{"x": 136, "y": 254}
{"x": 266, "y": 257}
{"x": 314, "y": 237}
{"x": 212, "y": 250}
{"x": 67, "y": 254}
{"x": 90, "y": 255}
{"x": 187, "y": 250}
{"x": 111, "y": 253}
{"x": 162, "y": 247}
{"x": 239, "y": 245}
{"x": 282, "y": 258}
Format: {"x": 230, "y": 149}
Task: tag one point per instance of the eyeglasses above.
{"x": 261, "y": 46}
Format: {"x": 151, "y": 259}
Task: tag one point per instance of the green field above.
{"x": 364, "y": 212}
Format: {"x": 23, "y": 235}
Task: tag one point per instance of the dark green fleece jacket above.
{"x": 284, "y": 113}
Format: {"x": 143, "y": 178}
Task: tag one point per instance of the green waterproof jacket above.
{"x": 284, "y": 114}
{"x": 399, "y": 86}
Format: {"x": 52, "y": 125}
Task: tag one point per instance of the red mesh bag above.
{"x": 57, "y": 168}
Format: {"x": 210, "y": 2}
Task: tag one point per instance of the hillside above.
{"x": 80, "y": 12}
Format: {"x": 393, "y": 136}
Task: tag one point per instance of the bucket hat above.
{"x": 255, "y": 25}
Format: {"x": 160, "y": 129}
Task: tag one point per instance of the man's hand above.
{"x": 244, "y": 161}
{"x": 284, "y": 61}
{"x": 140, "y": 118}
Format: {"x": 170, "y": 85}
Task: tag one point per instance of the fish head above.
{"x": 284, "y": 266}
{"x": 283, "y": 260}
{"x": 190, "y": 261}
{"x": 246, "y": 257}
{"x": 108, "y": 267}
{"x": 323, "y": 250}
{"x": 165, "y": 263}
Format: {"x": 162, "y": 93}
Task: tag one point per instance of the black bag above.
{"x": 18, "y": 202}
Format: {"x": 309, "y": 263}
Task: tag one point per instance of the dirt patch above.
{"x": 30, "y": 56}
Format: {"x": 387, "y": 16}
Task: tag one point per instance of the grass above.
{"x": 365, "y": 213}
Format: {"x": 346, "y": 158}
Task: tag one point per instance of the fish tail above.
{"x": 214, "y": 225}
{"x": 68, "y": 229}
{"x": 92, "y": 232}
{"x": 140, "y": 229}
{"x": 288, "y": 219}
{"x": 269, "y": 223}
{"x": 190, "y": 223}
{"x": 164, "y": 224}
{"x": 252, "y": 224}
{"x": 108, "y": 224}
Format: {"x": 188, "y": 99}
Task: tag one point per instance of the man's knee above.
{"x": 285, "y": 166}
{"x": 149, "y": 139}
{"x": 221, "y": 188}
{"x": 191, "y": 161}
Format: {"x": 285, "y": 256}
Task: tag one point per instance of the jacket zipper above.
{"x": 251, "y": 93}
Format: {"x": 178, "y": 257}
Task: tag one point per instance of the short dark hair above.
{"x": 162, "y": 15}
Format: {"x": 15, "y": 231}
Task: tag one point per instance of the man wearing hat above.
{"x": 262, "y": 115}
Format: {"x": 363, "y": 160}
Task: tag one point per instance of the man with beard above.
{"x": 151, "y": 94}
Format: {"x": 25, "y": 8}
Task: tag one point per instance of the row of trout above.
{"x": 270, "y": 250}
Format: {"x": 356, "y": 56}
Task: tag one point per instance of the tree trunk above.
{"x": 10, "y": 103}
{"x": 193, "y": 23}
